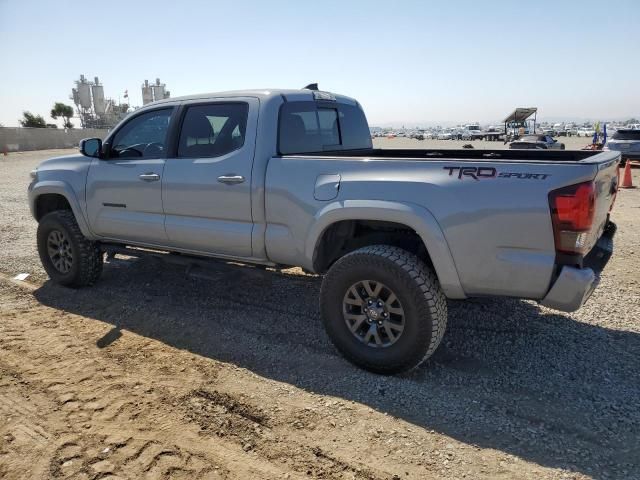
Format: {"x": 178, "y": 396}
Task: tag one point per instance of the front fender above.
{"x": 414, "y": 216}
{"x": 60, "y": 188}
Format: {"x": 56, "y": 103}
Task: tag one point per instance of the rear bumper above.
{"x": 574, "y": 286}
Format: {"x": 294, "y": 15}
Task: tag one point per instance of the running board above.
{"x": 175, "y": 258}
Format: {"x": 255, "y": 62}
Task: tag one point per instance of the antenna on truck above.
{"x": 311, "y": 86}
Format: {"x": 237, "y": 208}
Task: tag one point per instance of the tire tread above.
{"x": 90, "y": 257}
{"x": 428, "y": 296}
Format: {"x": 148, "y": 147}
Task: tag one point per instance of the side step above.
{"x": 175, "y": 258}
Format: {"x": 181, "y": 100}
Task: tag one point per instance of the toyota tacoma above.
{"x": 290, "y": 178}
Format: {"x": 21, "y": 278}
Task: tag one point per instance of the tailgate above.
{"x": 606, "y": 187}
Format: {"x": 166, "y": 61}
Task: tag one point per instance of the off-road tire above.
{"x": 418, "y": 290}
{"x": 87, "y": 256}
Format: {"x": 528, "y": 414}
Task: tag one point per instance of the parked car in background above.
{"x": 558, "y": 129}
{"x": 456, "y": 133}
{"x": 585, "y": 132}
{"x": 627, "y": 142}
{"x": 472, "y": 132}
{"x": 545, "y": 142}
{"x": 445, "y": 135}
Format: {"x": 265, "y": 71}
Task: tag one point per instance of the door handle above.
{"x": 149, "y": 177}
{"x": 231, "y": 179}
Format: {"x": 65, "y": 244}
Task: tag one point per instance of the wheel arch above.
{"x": 49, "y": 196}
{"x": 410, "y": 217}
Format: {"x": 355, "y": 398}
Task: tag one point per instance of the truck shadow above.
{"x": 508, "y": 376}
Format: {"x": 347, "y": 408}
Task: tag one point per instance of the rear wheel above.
{"x": 383, "y": 309}
{"x": 66, "y": 255}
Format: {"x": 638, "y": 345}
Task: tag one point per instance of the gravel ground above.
{"x": 241, "y": 376}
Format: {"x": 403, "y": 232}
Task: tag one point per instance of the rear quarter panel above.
{"x": 497, "y": 229}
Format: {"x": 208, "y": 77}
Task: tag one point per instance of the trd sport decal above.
{"x": 478, "y": 173}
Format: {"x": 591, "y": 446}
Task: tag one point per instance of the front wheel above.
{"x": 383, "y": 309}
{"x": 67, "y": 256}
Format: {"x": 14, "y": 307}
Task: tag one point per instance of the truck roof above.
{"x": 267, "y": 93}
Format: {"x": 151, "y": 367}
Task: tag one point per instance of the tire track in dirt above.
{"x": 225, "y": 415}
{"x": 92, "y": 397}
{"x": 24, "y": 431}
{"x": 93, "y": 401}
{"x": 57, "y": 368}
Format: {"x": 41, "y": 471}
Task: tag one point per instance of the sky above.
{"x": 407, "y": 62}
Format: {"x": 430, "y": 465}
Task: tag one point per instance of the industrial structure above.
{"x": 96, "y": 111}
{"x": 151, "y": 93}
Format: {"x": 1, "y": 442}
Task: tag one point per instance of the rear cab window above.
{"x": 314, "y": 126}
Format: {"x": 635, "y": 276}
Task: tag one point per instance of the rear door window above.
{"x": 212, "y": 130}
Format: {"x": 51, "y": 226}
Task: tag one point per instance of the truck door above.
{"x": 206, "y": 188}
{"x": 124, "y": 199}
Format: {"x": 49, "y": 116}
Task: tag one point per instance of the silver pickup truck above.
{"x": 290, "y": 178}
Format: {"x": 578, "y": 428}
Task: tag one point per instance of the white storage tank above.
{"x": 97, "y": 91}
{"x": 158, "y": 92}
{"x": 147, "y": 93}
{"x": 84, "y": 94}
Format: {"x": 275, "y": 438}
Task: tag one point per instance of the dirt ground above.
{"x": 227, "y": 373}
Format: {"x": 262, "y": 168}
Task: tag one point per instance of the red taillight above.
{"x": 572, "y": 211}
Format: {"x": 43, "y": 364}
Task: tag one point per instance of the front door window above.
{"x": 144, "y": 136}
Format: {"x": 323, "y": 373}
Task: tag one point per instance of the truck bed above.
{"x": 492, "y": 206}
{"x": 475, "y": 155}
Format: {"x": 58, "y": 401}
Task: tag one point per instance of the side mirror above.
{"x": 91, "y": 147}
